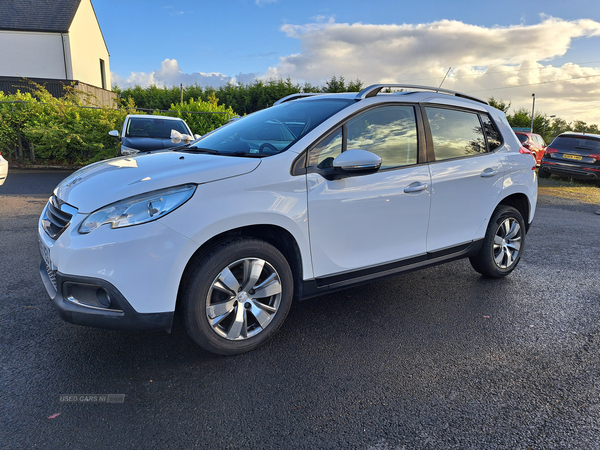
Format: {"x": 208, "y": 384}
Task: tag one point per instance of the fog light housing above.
{"x": 88, "y": 295}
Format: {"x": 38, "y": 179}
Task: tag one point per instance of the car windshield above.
{"x": 272, "y": 130}
{"x": 151, "y": 127}
{"x": 580, "y": 143}
{"x": 522, "y": 137}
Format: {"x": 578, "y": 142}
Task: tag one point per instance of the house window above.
{"x": 102, "y": 74}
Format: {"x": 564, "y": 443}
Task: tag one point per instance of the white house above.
{"x": 55, "y": 41}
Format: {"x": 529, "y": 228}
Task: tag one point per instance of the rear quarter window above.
{"x": 494, "y": 138}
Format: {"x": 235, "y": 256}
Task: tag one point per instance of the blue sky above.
{"x": 507, "y": 49}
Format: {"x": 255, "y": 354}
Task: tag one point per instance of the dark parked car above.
{"x": 534, "y": 143}
{"x": 145, "y": 133}
{"x": 574, "y": 155}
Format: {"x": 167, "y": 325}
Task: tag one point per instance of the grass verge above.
{"x": 580, "y": 191}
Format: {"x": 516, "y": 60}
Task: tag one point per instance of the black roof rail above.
{"x": 373, "y": 90}
{"x": 291, "y": 97}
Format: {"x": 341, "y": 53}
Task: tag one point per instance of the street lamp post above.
{"x": 532, "y": 112}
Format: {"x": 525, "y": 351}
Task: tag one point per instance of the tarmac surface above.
{"x": 436, "y": 359}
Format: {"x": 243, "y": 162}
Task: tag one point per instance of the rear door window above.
{"x": 455, "y": 134}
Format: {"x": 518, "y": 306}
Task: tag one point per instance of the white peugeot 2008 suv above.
{"x": 317, "y": 193}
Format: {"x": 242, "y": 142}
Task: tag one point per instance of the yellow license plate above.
{"x": 576, "y": 157}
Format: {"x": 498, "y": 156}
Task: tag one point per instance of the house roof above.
{"x": 38, "y": 15}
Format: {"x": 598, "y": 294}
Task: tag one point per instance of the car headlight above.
{"x": 127, "y": 151}
{"x": 139, "y": 209}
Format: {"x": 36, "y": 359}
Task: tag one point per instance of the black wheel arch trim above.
{"x": 520, "y": 202}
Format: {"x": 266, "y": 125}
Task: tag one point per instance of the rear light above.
{"x": 589, "y": 168}
{"x": 525, "y": 151}
{"x": 551, "y": 150}
{"x": 595, "y": 156}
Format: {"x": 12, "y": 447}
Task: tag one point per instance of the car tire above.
{"x": 503, "y": 244}
{"x": 543, "y": 173}
{"x": 237, "y": 296}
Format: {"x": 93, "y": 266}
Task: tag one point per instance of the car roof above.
{"x": 579, "y": 135}
{"x": 152, "y": 116}
{"x": 418, "y": 94}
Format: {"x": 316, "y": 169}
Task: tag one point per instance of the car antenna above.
{"x": 449, "y": 68}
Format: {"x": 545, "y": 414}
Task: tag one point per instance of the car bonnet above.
{"x": 106, "y": 182}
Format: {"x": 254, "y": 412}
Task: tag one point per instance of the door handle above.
{"x": 488, "y": 173}
{"x": 415, "y": 187}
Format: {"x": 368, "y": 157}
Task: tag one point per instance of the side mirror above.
{"x": 197, "y": 136}
{"x": 114, "y": 133}
{"x": 355, "y": 162}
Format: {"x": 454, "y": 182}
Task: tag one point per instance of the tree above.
{"x": 521, "y": 118}
{"x": 335, "y": 85}
{"x": 499, "y": 104}
{"x": 580, "y": 126}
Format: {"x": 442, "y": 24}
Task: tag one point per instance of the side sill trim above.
{"x": 319, "y": 286}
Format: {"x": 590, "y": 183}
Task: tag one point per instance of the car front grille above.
{"x": 57, "y": 217}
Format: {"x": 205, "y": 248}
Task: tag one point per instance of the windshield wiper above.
{"x": 210, "y": 151}
{"x": 246, "y": 154}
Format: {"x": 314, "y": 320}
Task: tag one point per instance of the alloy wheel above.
{"x": 243, "y": 299}
{"x": 507, "y": 243}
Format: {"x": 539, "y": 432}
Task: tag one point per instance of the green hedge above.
{"x": 38, "y": 128}
{"x": 244, "y": 99}
{"x": 42, "y": 129}
{"x": 210, "y": 114}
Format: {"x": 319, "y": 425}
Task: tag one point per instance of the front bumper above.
{"x": 118, "y": 314}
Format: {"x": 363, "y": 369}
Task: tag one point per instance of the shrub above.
{"x": 214, "y": 115}
{"x": 58, "y": 131}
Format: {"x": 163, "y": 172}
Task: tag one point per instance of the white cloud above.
{"x": 482, "y": 60}
{"x": 170, "y": 74}
{"x": 393, "y": 50}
